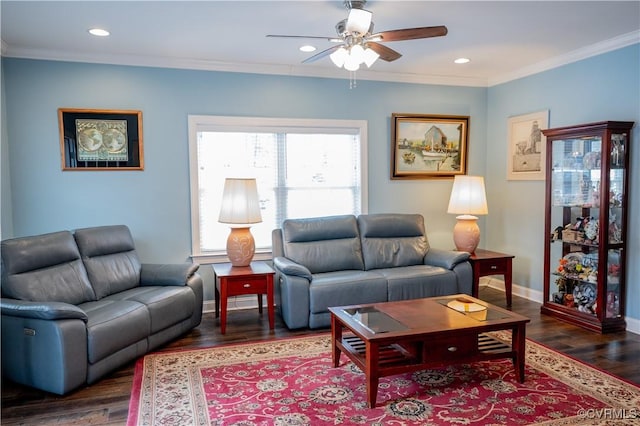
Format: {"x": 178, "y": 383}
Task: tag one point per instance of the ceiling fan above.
{"x": 358, "y": 44}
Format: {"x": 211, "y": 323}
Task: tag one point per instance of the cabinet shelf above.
{"x": 577, "y": 243}
{"x": 573, "y": 277}
{"x": 587, "y": 185}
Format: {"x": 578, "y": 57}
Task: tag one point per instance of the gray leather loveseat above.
{"x": 345, "y": 260}
{"x": 76, "y": 306}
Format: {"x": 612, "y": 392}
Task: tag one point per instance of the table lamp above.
{"x": 240, "y": 208}
{"x": 468, "y": 198}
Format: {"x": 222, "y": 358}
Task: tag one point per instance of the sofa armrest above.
{"x": 169, "y": 274}
{"x": 41, "y": 310}
{"x": 289, "y": 267}
{"x": 48, "y": 354}
{"x": 445, "y": 258}
{"x": 294, "y": 297}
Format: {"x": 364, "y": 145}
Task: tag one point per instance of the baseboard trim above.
{"x": 234, "y": 303}
{"x": 525, "y": 292}
{"x": 251, "y": 301}
{"x": 633, "y": 325}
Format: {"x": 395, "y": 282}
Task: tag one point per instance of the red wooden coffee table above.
{"x": 385, "y": 339}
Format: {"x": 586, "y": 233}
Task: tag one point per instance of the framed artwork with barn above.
{"x": 428, "y": 146}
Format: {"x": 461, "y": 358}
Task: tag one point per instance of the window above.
{"x": 304, "y": 168}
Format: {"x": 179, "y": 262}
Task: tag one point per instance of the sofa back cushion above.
{"x": 110, "y": 258}
{"x": 390, "y": 240}
{"x": 45, "y": 268}
{"x": 323, "y": 244}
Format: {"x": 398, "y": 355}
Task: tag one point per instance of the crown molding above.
{"x": 247, "y": 68}
{"x": 568, "y": 58}
{"x": 337, "y": 73}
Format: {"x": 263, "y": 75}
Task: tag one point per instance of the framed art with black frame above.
{"x": 428, "y": 146}
{"x": 94, "y": 139}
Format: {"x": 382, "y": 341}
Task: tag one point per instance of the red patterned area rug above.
{"x": 291, "y": 382}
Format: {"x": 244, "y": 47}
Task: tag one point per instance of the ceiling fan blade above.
{"x": 322, "y": 54}
{"x": 386, "y": 53}
{"x": 411, "y": 33}
{"x": 331, "y": 39}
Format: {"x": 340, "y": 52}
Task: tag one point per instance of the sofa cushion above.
{"x": 392, "y": 240}
{"x": 323, "y": 244}
{"x": 418, "y": 281}
{"x": 45, "y": 268}
{"x": 166, "y": 305}
{"x": 109, "y": 255}
{"x": 114, "y": 325}
{"x": 345, "y": 288}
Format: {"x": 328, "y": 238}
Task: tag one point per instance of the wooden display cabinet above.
{"x": 587, "y": 185}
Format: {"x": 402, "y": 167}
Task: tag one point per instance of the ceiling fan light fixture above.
{"x": 370, "y": 56}
{"x": 357, "y": 54}
{"x": 351, "y": 64}
{"x": 359, "y": 21}
{"x": 339, "y": 56}
{"x": 358, "y": 44}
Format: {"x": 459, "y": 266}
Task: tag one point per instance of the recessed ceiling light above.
{"x": 98, "y": 32}
{"x": 462, "y": 60}
{"x": 307, "y": 48}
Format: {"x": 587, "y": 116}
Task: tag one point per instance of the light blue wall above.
{"x": 155, "y": 203}
{"x": 5, "y": 179}
{"x": 605, "y": 87}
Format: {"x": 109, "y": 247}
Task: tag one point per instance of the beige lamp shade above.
{"x": 468, "y": 198}
{"x": 240, "y": 204}
{"x": 240, "y": 208}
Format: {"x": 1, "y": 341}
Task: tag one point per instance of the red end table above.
{"x": 486, "y": 262}
{"x": 257, "y": 278}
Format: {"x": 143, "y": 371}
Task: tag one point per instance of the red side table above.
{"x": 257, "y": 278}
{"x": 486, "y": 262}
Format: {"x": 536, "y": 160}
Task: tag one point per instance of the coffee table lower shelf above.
{"x": 397, "y": 358}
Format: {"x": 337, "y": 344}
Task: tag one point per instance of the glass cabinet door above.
{"x": 617, "y": 210}
{"x": 587, "y": 181}
{"x": 575, "y": 181}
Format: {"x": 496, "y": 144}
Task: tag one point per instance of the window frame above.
{"x": 214, "y": 123}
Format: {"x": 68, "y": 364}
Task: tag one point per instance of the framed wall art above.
{"x": 428, "y": 146}
{"x": 94, "y": 139}
{"x": 527, "y": 146}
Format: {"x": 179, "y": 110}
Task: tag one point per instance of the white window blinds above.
{"x": 304, "y": 168}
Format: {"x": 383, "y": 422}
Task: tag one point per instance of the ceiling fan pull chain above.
{"x": 353, "y": 82}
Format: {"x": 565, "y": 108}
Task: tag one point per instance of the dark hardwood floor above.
{"x": 107, "y": 402}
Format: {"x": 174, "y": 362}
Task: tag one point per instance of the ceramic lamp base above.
{"x": 240, "y": 246}
{"x": 466, "y": 233}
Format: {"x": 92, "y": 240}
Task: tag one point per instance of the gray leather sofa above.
{"x": 346, "y": 260}
{"x": 76, "y": 306}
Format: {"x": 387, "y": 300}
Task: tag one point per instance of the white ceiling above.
{"x": 503, "y": 39}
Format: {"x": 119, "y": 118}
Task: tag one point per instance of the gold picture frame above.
{"x": 428, "y": 146}
{"x": 95, "y": 139}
